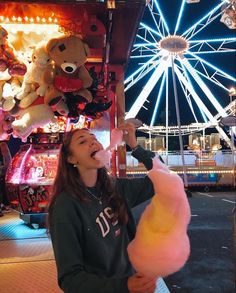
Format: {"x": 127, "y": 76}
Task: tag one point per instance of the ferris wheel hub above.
{"x": 174, "y": 45}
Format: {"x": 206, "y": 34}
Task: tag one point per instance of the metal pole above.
{"x": 179, "y": 124}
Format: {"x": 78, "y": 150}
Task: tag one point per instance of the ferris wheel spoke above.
{"x": 189, "y": 101}
{"x": 158, "y": 23}
{"x": 146, "y": 90}
{"x": 210, "y": 46}
{"x": 140, "y": 73}
{"x": 203, "y": 22}
{"x": 149, "y": 30}
{"x": 147, "y": 47}
{"x": 161, "y": 16}
{"x": 179, "y": 16}
{"x": 204, "y": 87}
{"x": 201, "y": 105}
{"x": 158, "y": 100}
{"x": 212, "y": 79}
{"x": 217, "y": 70}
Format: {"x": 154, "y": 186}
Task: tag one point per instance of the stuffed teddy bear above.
{"x": 70, "y": 79}
{"x": 8, "y": 59}
{"x": 34, "y": 83}
{"x": 36, "y": 115}
{"x": 9, "y": 89}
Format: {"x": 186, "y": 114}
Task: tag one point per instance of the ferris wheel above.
{"x": 181, "y": 65}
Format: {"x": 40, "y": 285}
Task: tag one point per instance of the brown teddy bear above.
{"x": 69, "y": 77}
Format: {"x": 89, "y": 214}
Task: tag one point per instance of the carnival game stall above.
{"x": 61, "y": 67}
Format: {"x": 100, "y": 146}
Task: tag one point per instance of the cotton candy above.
{"x": 161, "y": 245}
{"x": 104, "y": 156}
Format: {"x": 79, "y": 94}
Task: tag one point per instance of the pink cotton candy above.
{"x": 161, "y": 245}
{"x": 116, "y": 138}
{"x": 104, "y": 156}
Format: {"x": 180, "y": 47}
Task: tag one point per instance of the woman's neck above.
{"x": 89, "y": 177}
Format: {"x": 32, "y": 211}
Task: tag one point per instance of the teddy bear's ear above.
{"x": 86, "y": 49}
{"x": 51, "y": 44}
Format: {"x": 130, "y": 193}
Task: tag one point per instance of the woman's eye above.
{"x": 82, "y": 142}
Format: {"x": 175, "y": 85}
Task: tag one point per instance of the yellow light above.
{"x": 232, "y": 91}
{"x": 32, "y": 27}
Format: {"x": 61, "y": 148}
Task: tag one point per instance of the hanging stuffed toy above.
{"x": 11, "y": 73}
{"x": 100, "y": 103}
{"x": 8, "y": 59}
{"x": 70, "y": 79}
{"x": 35, "y": 84}
{"x": 161, "y": 245}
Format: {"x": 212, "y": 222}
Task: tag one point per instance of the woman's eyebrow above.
{"x": 83, "y": 136}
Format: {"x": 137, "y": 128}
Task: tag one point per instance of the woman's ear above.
{"x": 71, "y": 160}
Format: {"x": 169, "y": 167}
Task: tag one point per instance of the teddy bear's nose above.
{"x": 68, "y": 67}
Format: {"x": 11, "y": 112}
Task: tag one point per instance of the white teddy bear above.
{"x": 31, "y": 118}
{"x": 33, "y": 111}
{"x": 35, "y": 83}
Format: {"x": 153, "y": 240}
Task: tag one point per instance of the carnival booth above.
{"x": 61, "y": 66}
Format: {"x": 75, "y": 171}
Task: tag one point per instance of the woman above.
{"x": 90, "y": 219}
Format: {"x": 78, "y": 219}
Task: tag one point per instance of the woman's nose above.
{"x": 92, "y": 142}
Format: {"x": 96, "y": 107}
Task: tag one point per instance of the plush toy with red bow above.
{"x": 70, "y": 79}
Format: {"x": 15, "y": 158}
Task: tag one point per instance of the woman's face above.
{"x": 83, "y": 147}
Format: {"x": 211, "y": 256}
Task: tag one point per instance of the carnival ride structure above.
{"x": 183, "y": 64}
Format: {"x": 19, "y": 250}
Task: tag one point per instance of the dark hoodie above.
{"x": 91, "y": 250}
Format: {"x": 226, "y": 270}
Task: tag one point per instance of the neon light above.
{"x": 201, "y": 104}
{"x": 130, "y": 77}
{"x": 179, "y": 16}
{"x": 134, "y": 81}
{"x": 189, "y": 102}
{"x": 213, "y": 67}
{"x": 211, "y": 52}
{"x": 203, "y": 18}
{"x": 146, "y": 91}
{"x": 158, "y": 100}
{"x": 162, "y": 16}
{"x": 150, "y": 29}
{"x": 204, "y": 88}
{"x": 225, "y": 40}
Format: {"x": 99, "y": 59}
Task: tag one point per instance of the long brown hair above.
{"x": 68, "y": 179}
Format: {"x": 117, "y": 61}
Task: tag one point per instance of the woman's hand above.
{"x": 129, "y": 135}
{"x": 141, "y": 284}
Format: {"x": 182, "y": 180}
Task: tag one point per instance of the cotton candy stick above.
{"x": 161, "y": 245}
{"x": 104, "y": 156}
